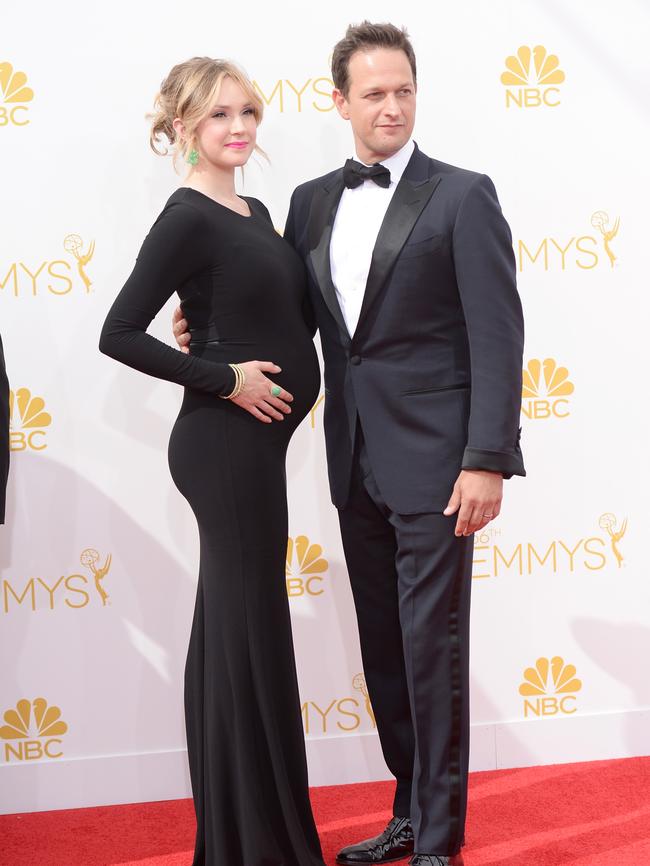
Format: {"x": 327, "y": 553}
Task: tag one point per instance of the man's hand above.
{"x": 181, "y": 331}
{"x": 478, "y": 494}
{"x": 255, "y": 397}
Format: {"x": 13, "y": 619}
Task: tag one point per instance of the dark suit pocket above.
{"x": 421, "y": 248}
{"x": 435, "y": 389}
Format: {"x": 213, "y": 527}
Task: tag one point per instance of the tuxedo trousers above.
{"x": 411, "y": 582}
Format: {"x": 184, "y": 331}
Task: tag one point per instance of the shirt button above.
{"x": 355, "y": 359}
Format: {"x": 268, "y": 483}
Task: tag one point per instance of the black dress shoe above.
{"x": 395, "y": 843}
{"x": 436, "y": 860}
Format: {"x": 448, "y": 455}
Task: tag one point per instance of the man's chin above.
{"x": 389, "y": 144}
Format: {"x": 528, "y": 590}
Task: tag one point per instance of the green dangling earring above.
{"x": 193, "y": 157}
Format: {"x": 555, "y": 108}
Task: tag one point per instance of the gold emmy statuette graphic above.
{"x": 600, "y": 221}
{"x": 562, "y": 678}
{"x": 90, "y": 558}
{"x": 30, "y": 410}
{"x": 556, "y": 380}
{"x": 545, "y": 69}
{"x": 359, "y": 683}
{"x": 73, "y": 244}
{"x": 608, "y": 523}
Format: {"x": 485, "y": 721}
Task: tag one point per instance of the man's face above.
{"x": 380, "y": 103}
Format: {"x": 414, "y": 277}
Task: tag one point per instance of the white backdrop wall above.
{"x": 99, "y": 554}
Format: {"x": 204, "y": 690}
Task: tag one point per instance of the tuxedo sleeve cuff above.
{"x": 494, "y": 461}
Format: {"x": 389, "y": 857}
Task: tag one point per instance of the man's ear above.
{"x": 341, "y": 104}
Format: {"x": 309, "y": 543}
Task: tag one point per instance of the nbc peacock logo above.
{"x": 545, "y": 390}
{"x": 531, "y": 78}
{"x": 305, "y": 567}
{"x": 550, "y": 688}
{"x": 28, "y": 421}
{"x": 33, "y": 731}
{"x": 15, "y": 96}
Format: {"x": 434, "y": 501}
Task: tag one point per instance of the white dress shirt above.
{"x": 360, "y": 214}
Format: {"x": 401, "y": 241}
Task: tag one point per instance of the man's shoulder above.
{"x": 462, "y": 178}
{"x": 307, "y": 188}
{"x": 458, "y": 181}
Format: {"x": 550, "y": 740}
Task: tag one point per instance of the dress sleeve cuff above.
{"x": 228, "y": 379}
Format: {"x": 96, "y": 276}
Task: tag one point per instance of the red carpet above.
{"x": 595, "y": 814}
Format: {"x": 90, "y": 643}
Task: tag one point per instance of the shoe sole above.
{"x": 372, "y": 862}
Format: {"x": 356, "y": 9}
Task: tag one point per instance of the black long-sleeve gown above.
{"x": 242, "y": 289}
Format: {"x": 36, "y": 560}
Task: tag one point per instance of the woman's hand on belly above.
{"x": 256, "y": 397}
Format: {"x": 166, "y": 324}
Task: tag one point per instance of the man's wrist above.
{"x": 504, "y": 462}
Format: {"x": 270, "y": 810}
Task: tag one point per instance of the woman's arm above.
{"x": 176, "y": 248}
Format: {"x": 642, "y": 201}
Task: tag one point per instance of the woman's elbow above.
{"x": 108, "y": 341}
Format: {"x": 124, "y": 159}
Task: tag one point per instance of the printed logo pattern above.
{"x": 307, "y": 576}
{"x": 15, "y": 95}
{"x": 32, "y": 731}
{"x": 27, "y": 421}
{"x": 545, "y": 387}
{"x": 549, "y": 688}
{"x": 531, "y": 78}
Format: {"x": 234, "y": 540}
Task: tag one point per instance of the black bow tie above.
{"x": 354, "y": 174}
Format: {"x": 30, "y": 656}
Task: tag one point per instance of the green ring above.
{"x": 276, "y": 390}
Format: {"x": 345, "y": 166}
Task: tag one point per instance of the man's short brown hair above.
{"x": 366, "y": 37}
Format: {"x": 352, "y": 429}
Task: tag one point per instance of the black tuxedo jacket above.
{"x": 4, "y": 433}
{"x": 433, "y": 370}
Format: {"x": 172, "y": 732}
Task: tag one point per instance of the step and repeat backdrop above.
{"x": 99, "y": 555}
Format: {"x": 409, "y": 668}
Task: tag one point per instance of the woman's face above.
{"x": 226, "y": 137}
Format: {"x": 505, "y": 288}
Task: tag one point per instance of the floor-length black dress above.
{"x": 242, "y": 289}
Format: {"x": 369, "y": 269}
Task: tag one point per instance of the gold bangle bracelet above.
{"x": 242, "y": 377}
{"x": 240, "y": 381}
{"x": 234, "y": 391}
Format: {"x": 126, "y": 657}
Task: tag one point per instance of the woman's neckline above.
{"x": 219, "y": 204}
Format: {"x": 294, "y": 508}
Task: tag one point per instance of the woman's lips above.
{"x": 238, "y": 145}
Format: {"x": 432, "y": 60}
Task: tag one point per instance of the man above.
{"x": 412, "y": 278}
{"x": 4, "y": 433}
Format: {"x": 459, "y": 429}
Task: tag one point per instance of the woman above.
{"x": 242, "y": 288}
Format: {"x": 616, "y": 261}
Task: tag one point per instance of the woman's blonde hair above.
{"x": 189, "y": 92}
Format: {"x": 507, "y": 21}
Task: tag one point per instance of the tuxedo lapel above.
{"x": 321, "y": 220}
{"x": 409, "y": 200}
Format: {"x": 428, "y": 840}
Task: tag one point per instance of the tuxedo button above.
{"x": 355, "y": 359}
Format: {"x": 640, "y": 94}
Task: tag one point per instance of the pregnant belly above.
{"x": 300, "y": 373}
